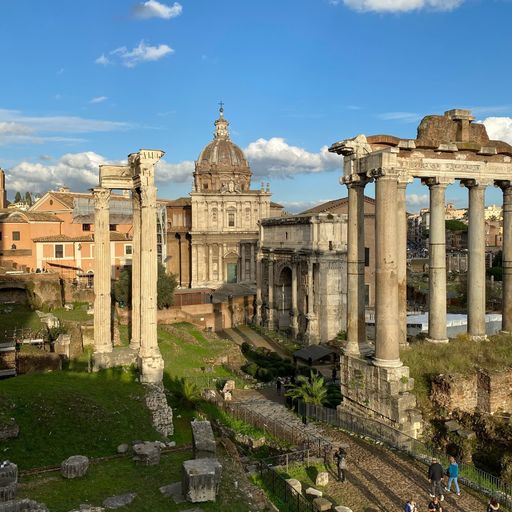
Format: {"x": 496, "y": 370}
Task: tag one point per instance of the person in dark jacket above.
{"x": 435, "y": 475}
{"x": 341, "y": 463}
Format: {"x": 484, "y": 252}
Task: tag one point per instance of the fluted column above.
{"x": 242, "y": 263}
{"x": 437, "y": 263}
{"x": 136, "y": 249}
{"x": 401, "y": 213}
{"x": 257, "y": 318}
{"x": 312, "y": 327}
{"x": 221, "y": 263}
{"x": 253, "y": 262}
{"x": 270, "y": 316}
{"x": 294, "y": 311}
{"x": 506, "y": 326}
{"x": 476, "y": 253}
{"x": 102, "y": 272}
{"x": 387, "y": 353}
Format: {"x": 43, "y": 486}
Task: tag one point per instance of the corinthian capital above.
{"x": 101, "y": 198}
{"x": 148, "y": 196}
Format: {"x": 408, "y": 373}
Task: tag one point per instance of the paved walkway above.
{"x": 243, "y": 333}
{"x": 378, "y": 479}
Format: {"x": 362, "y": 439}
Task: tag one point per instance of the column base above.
{"x": 433, "y": 340}
{"x": 135, "y": 345}
{"x": 478, "y": 337}
{"x": 366, "y": 349}
{"x": 506, "y": 333}
{"x": 151, "y": 369}
{"x": 387, "y": 363}
{"x": 351, "y": 348}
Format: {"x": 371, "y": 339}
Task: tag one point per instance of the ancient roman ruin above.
{"x": 447, "y": 149}
{"x": 138, "y": 177}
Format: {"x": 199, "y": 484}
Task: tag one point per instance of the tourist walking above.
{"x": 410, "y": 506}
{"x": 341, "y": 463}
{"x": 435, "y": 505}
{"x": 493, "y": 505}
{"x": 453, "y": 475}
{"x": 435, "y": 475}
{"x": 278, "y": 385}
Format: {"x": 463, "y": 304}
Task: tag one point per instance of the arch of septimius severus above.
{"x": 138, "y": 177}
{"x": 447, "y": 149}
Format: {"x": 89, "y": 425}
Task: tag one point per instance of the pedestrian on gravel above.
{"x": 278, "y": 385}
{"x": 493, "y": 505}
{"x": 435, "y": 475}
{"x": 341, "y": 463}
{"x": 435, "y": 505}
{"x": 410, "y": 506}
{"x": 453, "y": 475}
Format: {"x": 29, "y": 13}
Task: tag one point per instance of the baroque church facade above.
{"x": 216, "y": 229}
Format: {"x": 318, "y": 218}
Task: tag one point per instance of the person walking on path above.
{"x": 410, "y": 506}
{"x": 278, "y": 385}
{"x": 341, "y": 463}
{"x": 435, "y": 475}
{"x": 453, "y": 475}
{"x": 435, "y": 505}
{"x": 493, "y": 505}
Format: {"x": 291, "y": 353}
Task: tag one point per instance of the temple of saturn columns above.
{"x": 138, "y": 177}
{"x": 447, "y": 149}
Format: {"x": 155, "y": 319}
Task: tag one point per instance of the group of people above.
{"x": 436, "y": 474}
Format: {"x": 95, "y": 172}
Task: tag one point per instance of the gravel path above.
{"x": 378, "y": 479}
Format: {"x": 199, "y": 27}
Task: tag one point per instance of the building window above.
{"x": 214, "y": 215}
{"x": 231, "y": 220}
{"x": 128, "y": 250}
{"x": 205, "y": 186}
{"x": 59, "y": 251}
{"x": 86, "y": 227}
{"x": 366, "y": 256}
{"x": 16, "y": 235}
{"x": 0, "y": 235}
{"x": 113, "y": 227}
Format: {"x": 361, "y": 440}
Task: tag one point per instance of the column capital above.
{"x": 505, "y": 185}
{"x": 437, "y": 181}
{"x": 404, "y": 179}
{"x": 381, "y": 173}
{"x": 354, "y": 180}
{"x": 101, "y": 197}
{"x": 475, "y": 182}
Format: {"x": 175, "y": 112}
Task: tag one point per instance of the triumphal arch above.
{"x": 448, "y": 149}
{"x": 139, "y": 178}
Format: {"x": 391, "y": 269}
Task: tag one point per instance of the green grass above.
{"x": 67, "y": 413}
{"x": 77, "y": 314}
{"x": 16, "y": 316}
{"x": 460, "y": 356}
{"x": 121, "y": 476}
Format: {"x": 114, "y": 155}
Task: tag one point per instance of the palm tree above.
{"x": 312, "y": 390}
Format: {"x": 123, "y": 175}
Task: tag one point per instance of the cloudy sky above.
{"x": 89, "y": 81}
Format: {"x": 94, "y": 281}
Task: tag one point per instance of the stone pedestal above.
{"x": 75, "y": 466}
{"x": 147, "y": 454}
{"x": 321, "y": 504}
{"x": 203, "y": 440}
{"x": 201, "y": 479}
{"x": 151, "y": 369}
{"x": 384, "y": 393}
{"x": 8, "y": 481}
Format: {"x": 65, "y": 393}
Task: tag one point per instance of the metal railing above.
{"x": 469, "y": 475}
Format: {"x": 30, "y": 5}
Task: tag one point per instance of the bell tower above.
{"x": 3, "y": 192}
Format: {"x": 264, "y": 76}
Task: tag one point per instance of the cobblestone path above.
{"x": 378, "y": 479}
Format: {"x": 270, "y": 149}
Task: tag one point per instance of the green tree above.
{"x": 17, "y": 198}
{"x": 166, "y": 285}
{"x": 28, "y": 198}
{"x": 311, "y": 390}
{"x": 455, "y": 225}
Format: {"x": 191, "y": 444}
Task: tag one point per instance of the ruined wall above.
{"x": 41, "y": 289}
{"x": 481, "y": 391}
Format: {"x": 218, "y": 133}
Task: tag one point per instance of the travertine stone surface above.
{"x": 75, "y": 466}
{"x": 203, "y": 439}
{"x": 147, "y": 454}
{"x": 201, "y": 479}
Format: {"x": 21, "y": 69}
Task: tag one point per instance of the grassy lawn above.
{"x": 121, "y": 476}
{"x": 69, "y": 413}
{"x": 459, "y": 356}
{"x": 77, "y": 314}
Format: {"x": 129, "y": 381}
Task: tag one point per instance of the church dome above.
{"x": 222, "y": 165}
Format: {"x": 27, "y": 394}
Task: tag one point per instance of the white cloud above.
{"x": 78, "y": 171}
{"x": 99, "y": 99}
{"x": 499, "y": 128}
{"x": 102, "y": 60}
{"x": 154, "y": 9}
{"x": 401, "y": 5}
{"x": 139, "y": 54}
{"x": 406, "y": 117}
{"x": 275, "y": 157}
{"x": 417, "y": 200}
{"x": 175, "y": 173}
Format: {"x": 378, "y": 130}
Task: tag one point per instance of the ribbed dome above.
{"x": 222, "y": 166}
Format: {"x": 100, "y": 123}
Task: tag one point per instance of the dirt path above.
{"x": 378, "y": 479}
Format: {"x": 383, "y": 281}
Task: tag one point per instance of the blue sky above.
{"x": 86, "y": 82}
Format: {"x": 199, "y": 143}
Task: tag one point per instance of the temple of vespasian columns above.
{"x": 447, "y": 149}
{"x": 138, "y": 177}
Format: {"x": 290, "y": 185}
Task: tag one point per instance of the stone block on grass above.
{"x": 295, "y": 485}
{"x": 119, "y": 501}
{"x": 75, "y": 466}
{"x": 201, "y": 479}
{"x": 203, "y": 439}
{"x": 341, "y": 508}
{"x": 321, "y": 505}
{"x": 146, "y": 454}
{"x": 322, "y": 479}
{"x": 312, "y": 492}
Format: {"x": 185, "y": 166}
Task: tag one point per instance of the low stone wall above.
{"x": 481, "y": 391}
{"x": 41, "y": 289}
{"x": 38, "y": 361}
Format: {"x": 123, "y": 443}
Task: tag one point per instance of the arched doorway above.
{"x": 283, "y": 295}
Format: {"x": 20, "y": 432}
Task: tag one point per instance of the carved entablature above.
{"x": 116, "y": 176}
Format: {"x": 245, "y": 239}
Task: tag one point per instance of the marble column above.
{"x": 221, "y": 263}
{"x": 136, "y": 272}
{"x": 242, "y": 263}
{"x": 294, "y": 312}
{"x": 253, "y": 261}
{"x": 506, "y": 187}
{"x": 102, "y": 272}
{"x": 257, "y": 318}
{"x": 476, "y": 252}
{"x": 401, "y": 213}
{"x": 437, "y": 263}
{"x": 270, "y": 316}
{"x": 387, "y": 353}
{"x": 312, "y": 326}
